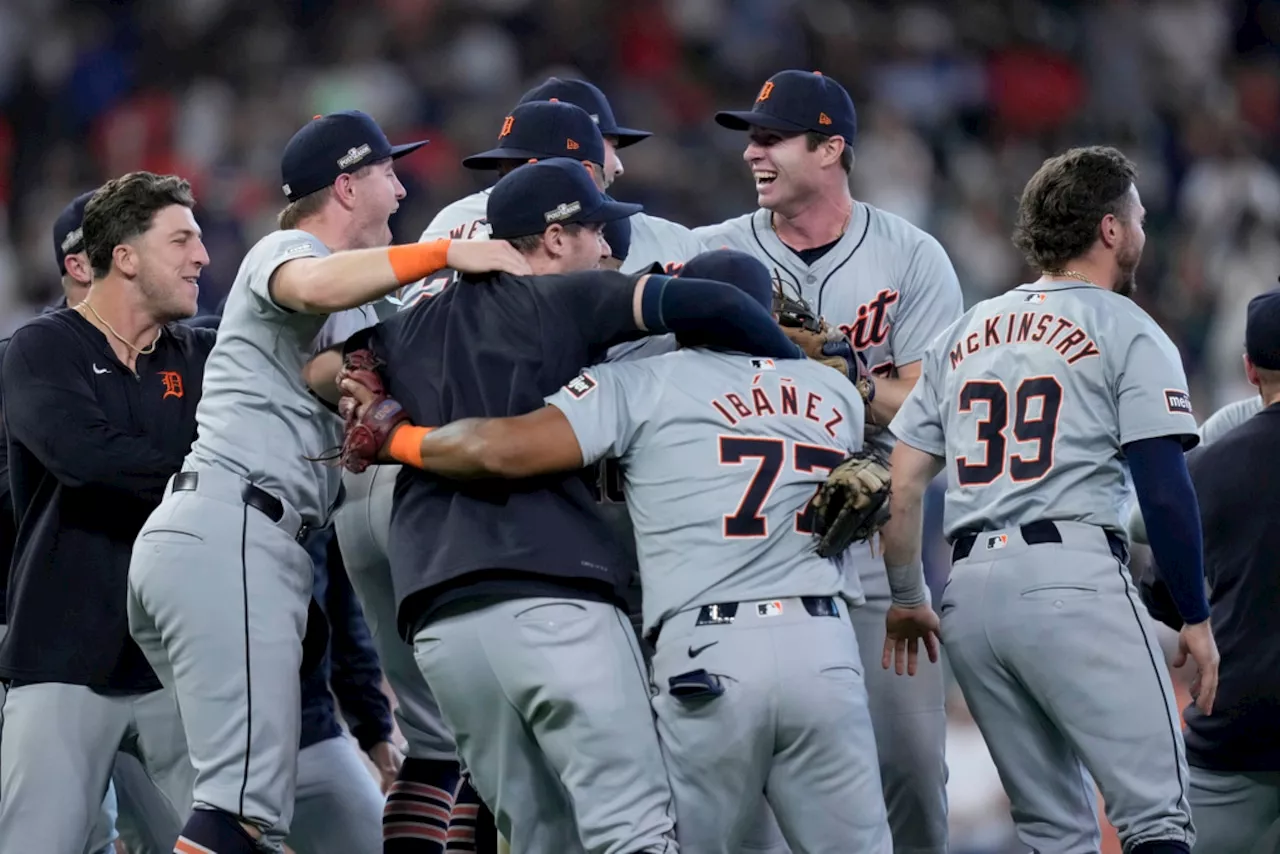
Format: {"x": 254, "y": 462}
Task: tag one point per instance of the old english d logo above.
{"x": 506, "y": 126}
{"x": 765, "y": 91}
{"x": 172, "y": 384}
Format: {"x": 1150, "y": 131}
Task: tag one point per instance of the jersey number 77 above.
{"x": 1036, "y": 404}
{"x": 770, "y": 454}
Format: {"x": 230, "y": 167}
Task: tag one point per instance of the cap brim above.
{"x": 610, "y": 211}
{"x": 398, "y": 151}
{"x": 627, "y": 136}
{"x": 748, "y": 119}
{"x": 491, "y": 158}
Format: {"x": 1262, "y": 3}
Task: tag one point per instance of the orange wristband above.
{"x": 406, "y": 444}
{"x": 413, "y": 261}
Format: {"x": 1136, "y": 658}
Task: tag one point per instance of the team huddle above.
{"x": 612, "y": 495}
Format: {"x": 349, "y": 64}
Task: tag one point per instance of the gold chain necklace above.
{"x": 773, "y": 223}
{"x": 1071, "y": 274}
{"x": 145, "y": 351}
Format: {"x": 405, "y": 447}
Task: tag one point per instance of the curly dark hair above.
{"x": 1065, "y": 200}
{"x": 123, "y": 208}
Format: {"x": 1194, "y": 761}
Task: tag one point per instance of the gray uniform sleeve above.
{"x": 1151, "y": 389}
{"x": 275, "y": 249}
{"x": 919, "y": 421}
{"x": 606, "y": 405}
{"x": 931, "y": 301}
{"x": 341, "y": 326}
{"x": 1229, "y": 418}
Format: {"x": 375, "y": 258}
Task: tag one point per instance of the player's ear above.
{"x": 1250, "y": 372}
{"x": 1109, "y": 231}
{"x": 78, "y": 268}
{"x": 344, "y": 190}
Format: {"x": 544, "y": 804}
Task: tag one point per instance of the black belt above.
{"x": 256, "y": 497}
{"x": 1034, "y": 533}
{"x": 724, "y": 613}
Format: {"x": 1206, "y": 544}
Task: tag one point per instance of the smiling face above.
{"x": 784, "y": 169}
{"x": 165, "y": 261}
{"x": 374, "y": 193}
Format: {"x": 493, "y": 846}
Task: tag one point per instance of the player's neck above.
{"x": 821, "y": 219}
{"x": 1270, "y": 395}
{"x": 115, "y": 307}
{"x": 336, "y": 236}
{"x": 1094, "y": 271}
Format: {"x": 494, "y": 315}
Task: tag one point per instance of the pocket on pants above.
{"x": 1059, "y": 590}
{"x": 171, "y": 536}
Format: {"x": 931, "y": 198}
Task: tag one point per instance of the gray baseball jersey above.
{"x": 756, "y": 436}
{"x": 1030, "y": 397}
{"x": 1229, "y": 418}
{"x": 257, "y": 418}
{"x": 655, "y": 240}
{"x": 887, "y": 285}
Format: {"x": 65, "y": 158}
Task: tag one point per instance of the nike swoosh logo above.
{"x": 98, "y": 370}
{"x": 694, "y": 653}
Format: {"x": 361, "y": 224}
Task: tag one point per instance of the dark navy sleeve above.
{"x": 356, "y": 677}
{"x": 598, "y": 306}
{"x": 50, "y": 408}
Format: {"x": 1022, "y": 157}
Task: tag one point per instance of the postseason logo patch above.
{"x": 581, "y": 385}
{"x": 1177, "y": 401}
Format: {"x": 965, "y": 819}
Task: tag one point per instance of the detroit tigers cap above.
{"x": 796, "y": 102}
{"x": 617, "y": 233}
{"x": 529, "y": 199}
{"x": 328, "y": 146}
{"x": 1262, "y": 330}
{"x": 543, "y": 129}
{"x": 733, "y": 268}
{"x": 590, "y": 98}
{"x": 68, "y": 231}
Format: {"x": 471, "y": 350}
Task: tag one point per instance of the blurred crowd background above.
{"x": 958, "y": 103}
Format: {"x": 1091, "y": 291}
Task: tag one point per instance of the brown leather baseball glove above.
{"x": 367, "y": 426}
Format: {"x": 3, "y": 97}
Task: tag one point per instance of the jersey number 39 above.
{"x": 769, "y": 455}
{"x": 1039, "y": 429}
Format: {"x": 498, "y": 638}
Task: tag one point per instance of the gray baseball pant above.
{"x": 773, "y": 702}
{"x": 1233, "y": 811}
{"x": 363, "y": 524}
{"x": 548, "y": 702}
{"x": 218, "y": 597}
{"x": 338, "y": 809}
{"x": 51, "y": 799}
{"x": 1061, "y": 669}
{"x": 909, "y": 716}
{"x": 147, "y": 822}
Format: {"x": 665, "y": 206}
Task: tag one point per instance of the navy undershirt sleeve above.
{"x": 1172, "y": 517}
{"x": 713, "y": 314}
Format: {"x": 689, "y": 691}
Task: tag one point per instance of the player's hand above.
{"x": 387, "y": 758}
{"x": 904, "y": 629}
{"x": 356, "y": 396}
{"x": 487, "y": 256}
{"x": 1196, "y": 641}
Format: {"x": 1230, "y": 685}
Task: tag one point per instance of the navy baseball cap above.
{"x": 68, "y": 234}
{"x": 1262, "y": 331}
{"x": 733, "y": 268}
{"x": 617, "y": 233}
{"x": 559, "y": 190}
{"x": 798, "y": 102}
{"x": 331, "y": 145}
{"x": 543, "y": 129}
{"x": 589, "y": 98}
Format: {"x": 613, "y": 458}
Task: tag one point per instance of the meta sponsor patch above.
{"x": 581, "y": 385}
{"x": 1177, "y": 401}
{"x": 997, "y": 541}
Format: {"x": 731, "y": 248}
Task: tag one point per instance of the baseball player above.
{"x": 757, "y": 675}
{"x": 1041, "y": 404}
{"x": 889, "y": 289}
{"x": 653, "y": 239}
{"x": 98, "y": 418}
{"x": 511, "y": 593}
{"x": 73, "y": 265}
{"x": 219, "y": 584}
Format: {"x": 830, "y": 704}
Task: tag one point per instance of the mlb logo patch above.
{"x": 1036, "y": 298}
{"x": 1177, "y": 401}
{"x": 762, "y": 364}
{"x": 997, "y": 541}
{"x": 581, "y": 385}
{"x": 768, "y": 609}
